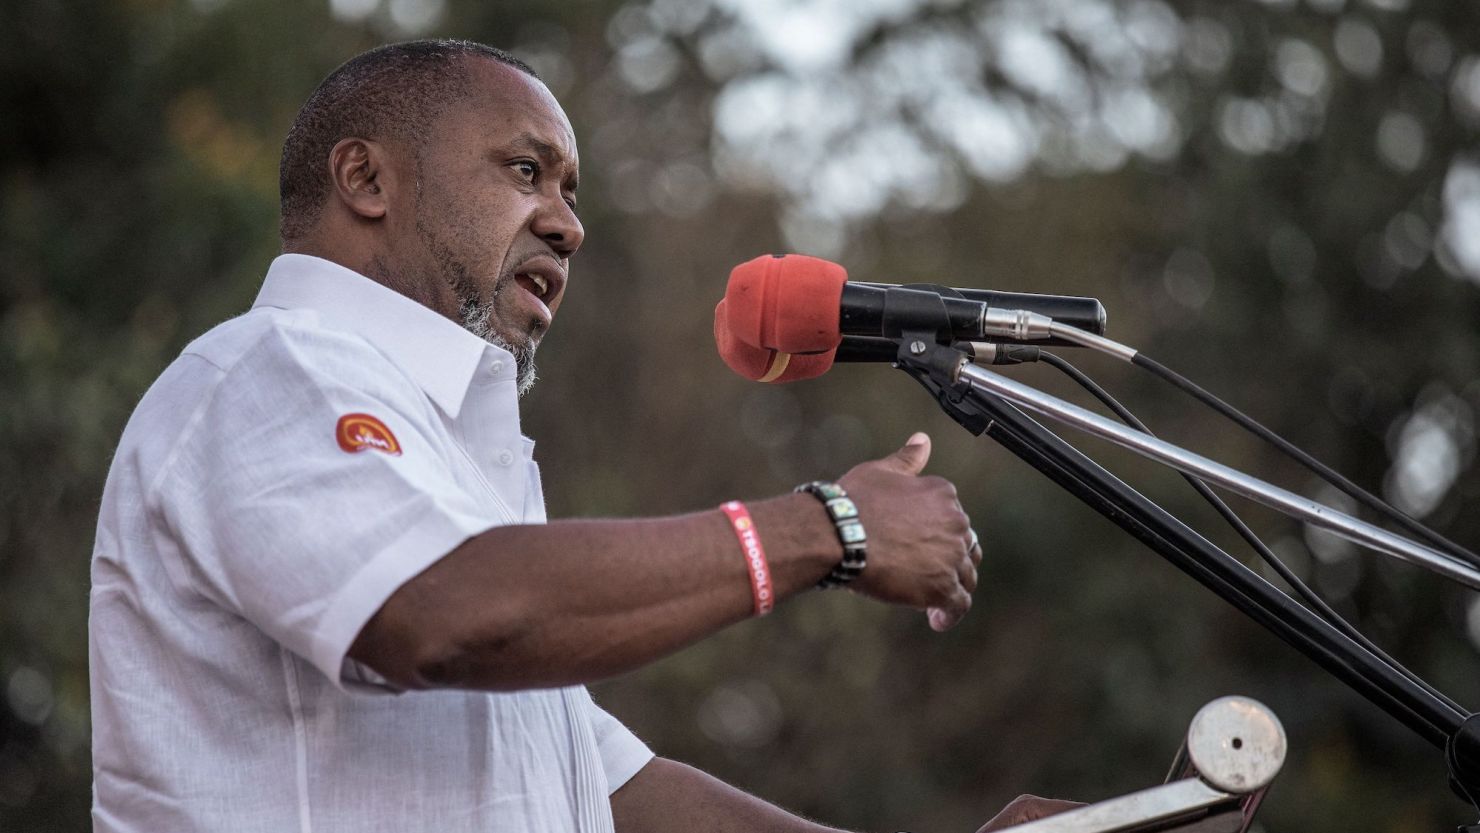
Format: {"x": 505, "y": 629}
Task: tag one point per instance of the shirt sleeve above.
{"x": 622, "y": 754}
{"x": 301, "y": 530}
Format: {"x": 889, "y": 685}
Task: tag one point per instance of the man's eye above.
{"x": 527, "y": 168}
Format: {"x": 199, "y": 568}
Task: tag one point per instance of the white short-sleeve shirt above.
{"x": 285, "y": 475}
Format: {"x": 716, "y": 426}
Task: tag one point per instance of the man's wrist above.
{"x": 801, "y": 544}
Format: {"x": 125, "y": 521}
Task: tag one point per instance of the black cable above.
{"x": 1315, "y": 601}
{"x": 1326, "y": 473}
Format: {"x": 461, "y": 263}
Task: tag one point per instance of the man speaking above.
{"x": 324, "y": 593}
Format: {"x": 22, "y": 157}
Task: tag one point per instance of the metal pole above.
{"x": 1253, "y": 488}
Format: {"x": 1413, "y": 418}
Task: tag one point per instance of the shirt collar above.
{"x": 439, "y": 356}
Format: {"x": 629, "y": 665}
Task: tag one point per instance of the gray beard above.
{"x": 476, "y": 319}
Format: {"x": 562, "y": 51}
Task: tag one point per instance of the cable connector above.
{"x": 1016, "y": 324}
{"x": 987, "y": 352}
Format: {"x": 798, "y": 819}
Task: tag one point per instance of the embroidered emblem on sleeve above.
{"x": 357, "y": 432}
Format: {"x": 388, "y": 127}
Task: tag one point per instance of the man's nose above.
{"x": 558, "y": 225}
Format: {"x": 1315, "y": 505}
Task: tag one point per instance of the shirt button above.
{"x": 497, "y": 368}
{"x": 506, "y": 458}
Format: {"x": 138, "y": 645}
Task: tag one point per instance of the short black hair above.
{"x": 390, "y": 92}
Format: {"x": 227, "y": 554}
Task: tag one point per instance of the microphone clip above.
{"x": 918, "y": 309}
{"x": 917, "y": 320}
{"x": 937, "y": 367}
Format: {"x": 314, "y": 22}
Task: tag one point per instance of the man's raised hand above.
{"x": 921, "y": 550}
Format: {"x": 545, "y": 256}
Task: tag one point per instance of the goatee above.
{"x": 478, "y": 319}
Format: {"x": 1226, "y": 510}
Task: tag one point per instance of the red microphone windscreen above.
{"x": 790, "y": 304}
{"x": 761, "y": 365}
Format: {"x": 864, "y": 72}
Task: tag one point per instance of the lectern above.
{"x": 1234, "y": 748}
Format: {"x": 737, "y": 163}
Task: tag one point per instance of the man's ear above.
{"x": 360, "y": 172}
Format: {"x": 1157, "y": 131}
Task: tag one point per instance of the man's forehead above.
{"x": 510, "y": 98}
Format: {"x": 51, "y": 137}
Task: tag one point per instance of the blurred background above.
{"x": 1281, "y": 199}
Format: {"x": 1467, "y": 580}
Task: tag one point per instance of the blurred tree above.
{"x": 1280, "y": 198}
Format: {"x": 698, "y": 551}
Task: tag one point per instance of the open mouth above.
{"x": 541, "y": 277}
{"x": 535, "y": 285}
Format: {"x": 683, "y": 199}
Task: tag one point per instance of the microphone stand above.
{"x": 924, "y": 353}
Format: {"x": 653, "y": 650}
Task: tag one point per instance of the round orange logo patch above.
{"x": 357, "y": 432}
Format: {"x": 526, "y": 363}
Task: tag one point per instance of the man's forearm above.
{"x": 669, "y": 796}
{"x": 577, "y": 601}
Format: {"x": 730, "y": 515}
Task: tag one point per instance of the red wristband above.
{"x": 755, "y": 556}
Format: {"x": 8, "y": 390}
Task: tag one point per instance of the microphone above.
{"x": 863, "y": 310}
{"x": 790, "y": 317}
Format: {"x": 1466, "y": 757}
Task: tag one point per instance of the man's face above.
{"x": 494, "y": 210}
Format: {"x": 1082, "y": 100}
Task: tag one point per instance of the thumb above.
{"x": 912, "y": 458}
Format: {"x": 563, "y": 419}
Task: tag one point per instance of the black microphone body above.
{"x": 862, "y": 315}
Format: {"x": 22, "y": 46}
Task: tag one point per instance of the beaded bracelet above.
{"x": 844, "y": 515}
